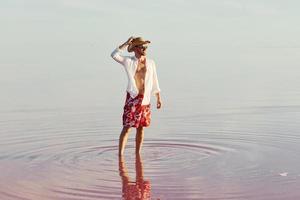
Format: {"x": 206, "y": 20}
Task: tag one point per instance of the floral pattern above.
{"x": 135, "y": 114}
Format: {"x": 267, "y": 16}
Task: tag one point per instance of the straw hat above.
{"x": 136, "y": 42}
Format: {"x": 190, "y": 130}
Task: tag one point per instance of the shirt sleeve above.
{"x": 116, "y": 55}
{"x": 155, "y": 88}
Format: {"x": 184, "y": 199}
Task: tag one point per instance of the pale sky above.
{"x": 55, "y": 48}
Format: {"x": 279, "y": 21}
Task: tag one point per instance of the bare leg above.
{"x": 123, "y": 140}
{"x": 139, "y": 138}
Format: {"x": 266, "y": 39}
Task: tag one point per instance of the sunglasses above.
{"x": 141, "y": 47}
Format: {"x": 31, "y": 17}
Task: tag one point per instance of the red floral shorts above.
{"x": 135, "y": 114}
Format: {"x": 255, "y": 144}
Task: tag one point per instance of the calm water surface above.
{"x": 244, "y": 153}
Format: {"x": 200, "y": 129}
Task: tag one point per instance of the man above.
{"x": 142, "y": 83}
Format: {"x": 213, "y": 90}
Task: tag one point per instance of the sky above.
{"x": 55, "y": 51}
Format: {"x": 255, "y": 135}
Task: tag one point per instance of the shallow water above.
{"x": 229, "y": 127}
{"x": 245, "y": 153}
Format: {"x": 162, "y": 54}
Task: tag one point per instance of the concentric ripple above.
{"x": 60, "y": 156}
{"x": 74, "y": 170}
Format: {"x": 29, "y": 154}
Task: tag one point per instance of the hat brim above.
{"x": 131, "y": 46}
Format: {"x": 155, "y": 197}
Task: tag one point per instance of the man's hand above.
{"x": 129, "y": 40}
{"x": 158, "y": 101}
{"x": 158, "y": 104}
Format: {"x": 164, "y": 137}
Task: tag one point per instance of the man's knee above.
{"x": 140, "y": 129}
{"x": 125, "y": 130}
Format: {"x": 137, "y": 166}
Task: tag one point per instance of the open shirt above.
{"x": 130, "y": 63}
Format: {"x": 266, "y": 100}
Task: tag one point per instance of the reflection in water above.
{"x": 43, "y": 156}
{"x": 138, "y": 190}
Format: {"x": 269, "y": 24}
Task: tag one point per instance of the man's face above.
{"x": 141, "y": 49}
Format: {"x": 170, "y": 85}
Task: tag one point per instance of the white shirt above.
{"x": 130, "y": 64}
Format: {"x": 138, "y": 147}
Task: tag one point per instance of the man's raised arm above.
{"x": 116, "y": 54}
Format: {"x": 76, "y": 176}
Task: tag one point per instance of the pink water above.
{"x": 71, "y": 154}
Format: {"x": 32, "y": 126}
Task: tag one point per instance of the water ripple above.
{"x": 228, "y": 156}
